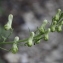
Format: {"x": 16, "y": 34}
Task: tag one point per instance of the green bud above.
{"x": 8, "y": 26}
{"x": 46, "y": 37}
{"x": 48, "y": 30}
{"x": 16, "y": 39}
{"x": 57, "y": 15}
{"x": 32, "y": 34}
{"x": 30, "y": 40}
{"x": 30, "y": 43}
{"x": 41, "y": 30}
{"x": 44, "y": 23}
{"x": 54, "y": 22}
{"x": 53, "y": 28}
{"x": 14, "y": 48}
{"x": 59, "y": 28}
{"x": 10, "y": 18}
{"x": 59, "y": 10}
{"x": 61, "y": 23}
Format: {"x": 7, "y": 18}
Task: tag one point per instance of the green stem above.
{"x": 4, "y": 49}
{"x": 13, "y": 41}
{"x": 18, "y": 41}
{"x": 9, "y": 35}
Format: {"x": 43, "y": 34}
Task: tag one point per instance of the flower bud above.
{"x": 44, "y": 23}
{"x": 54, "y": 22}
{"x": 30, "y": 40}
{"x": 53, "y": 28}
{"x": 16, "y": 39}
{"x": 8, "y": 26}
{"x": 14, "y": 48}
{"x": 59, "y": 28}
{"x": 48, "y": 30}
{"x": 57, "y": 16}
{"x": 10, "y": 18}
{"x": 42, "y": 28}
{"x": 46, "y": 37}
{"x": 30, "y": 43}
{"x": 61, "y": 23}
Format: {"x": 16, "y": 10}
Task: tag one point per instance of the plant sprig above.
{"x": 35, "y": 38}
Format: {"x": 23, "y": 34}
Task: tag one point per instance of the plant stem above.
{"x": 1, "y": 43}
{"x": 13, "y": 42}
{"x": 4, "y": 49}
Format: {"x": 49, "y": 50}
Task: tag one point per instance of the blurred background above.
{"x": 28, "y": 15}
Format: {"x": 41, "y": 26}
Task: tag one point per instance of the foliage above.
{"x": 35, "y": 37}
